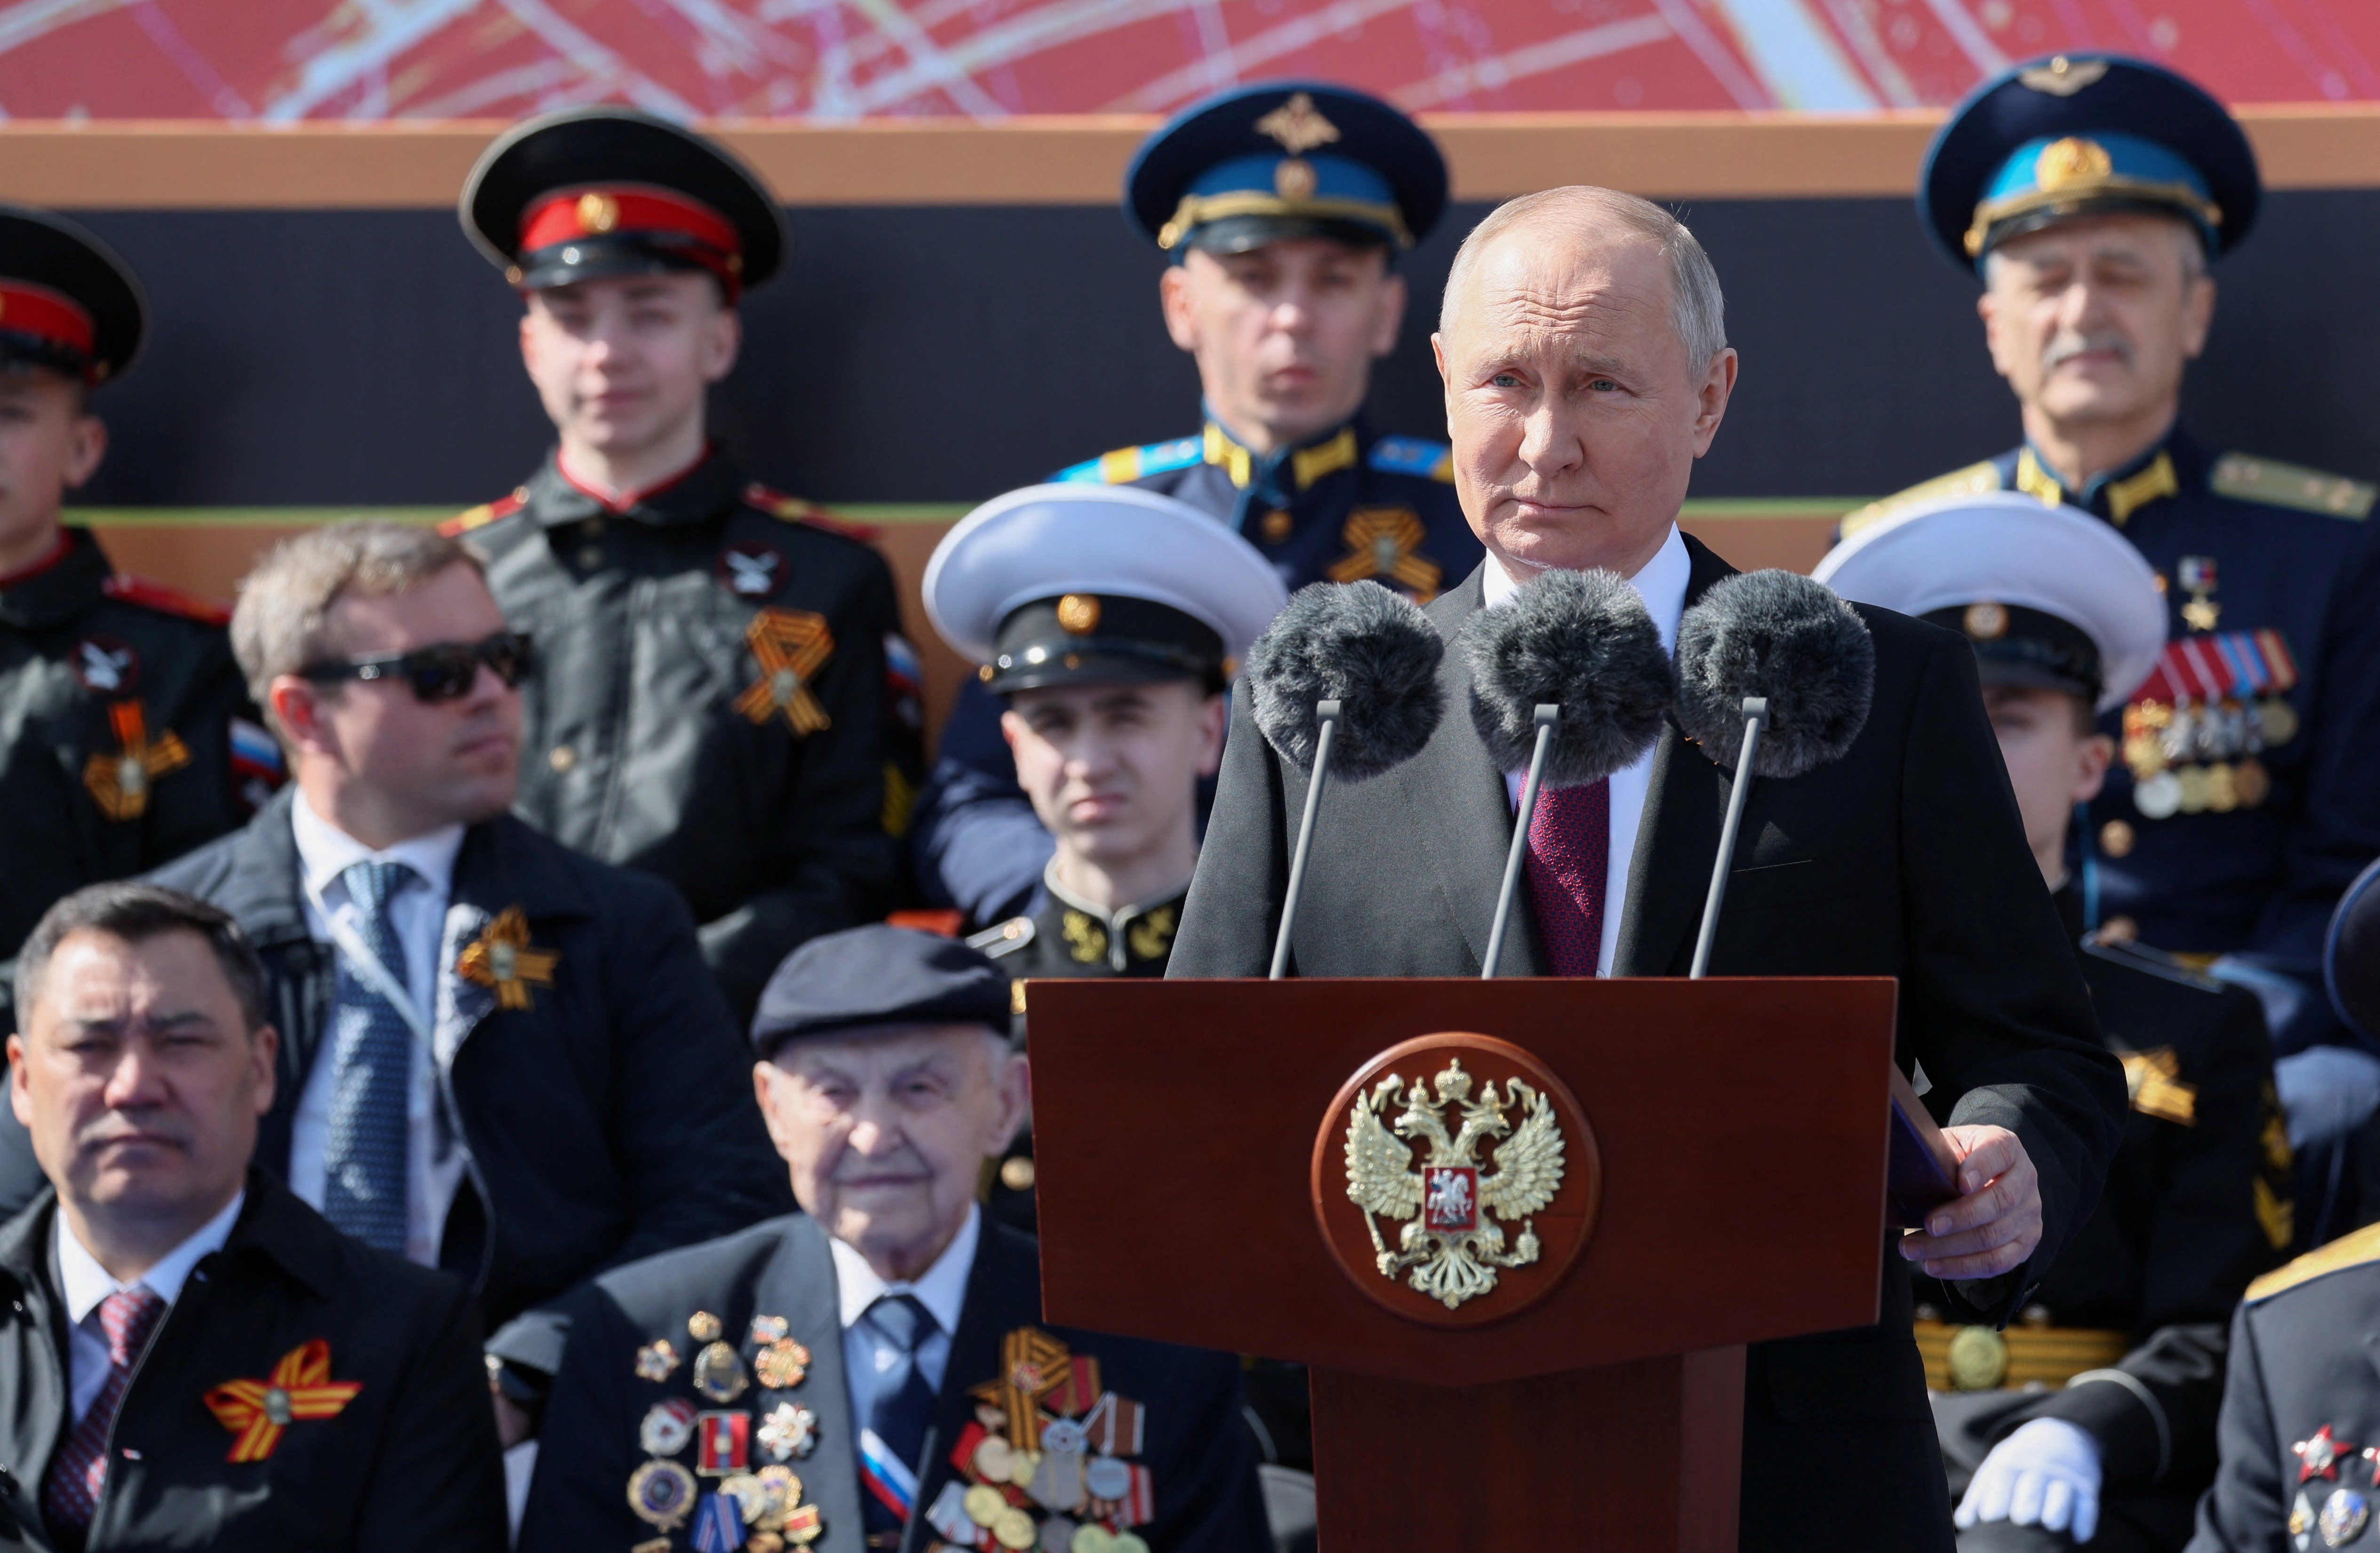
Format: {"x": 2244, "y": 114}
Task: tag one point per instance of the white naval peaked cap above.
{"x": 1046, "y": 540}
{"x": 2007, "y": 547}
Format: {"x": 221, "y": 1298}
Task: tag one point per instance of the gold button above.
{"x": 590, "y": 556}
{"x": 1016, "y": 1174}
{"x": 562, "y": 758}
{"x": 2116, "y": 839}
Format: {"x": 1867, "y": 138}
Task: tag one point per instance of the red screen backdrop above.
{"x": 839, "y": 59}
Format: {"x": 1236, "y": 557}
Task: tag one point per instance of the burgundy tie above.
{"x": 1570, "y": 850}
{"x": 70, "y": 1487}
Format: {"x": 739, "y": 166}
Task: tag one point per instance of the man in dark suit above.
{"x": 1586, "y": 367}
{"x": 502, "y": 1057}
{"x": 190, "y": 1357}
{"x": 906, "y": 1397}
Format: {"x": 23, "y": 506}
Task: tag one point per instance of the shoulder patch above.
{"x": 1003, "y": 940}
{"x": 1128, "y": 464}
{"x": 2151, "y": 961}
{"x": 1973, "y": 480}
{"x": 484, "y": 513}
{"x": 2246, "y": 479}
{"x": 793, "y": 509}
{"x": 1412, "y": 456}
{"x": 2348, "y": 1251}
{"x": 126, "y": 589}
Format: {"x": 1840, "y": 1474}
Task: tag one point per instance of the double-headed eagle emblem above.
{"x": 1451, "y": 1204}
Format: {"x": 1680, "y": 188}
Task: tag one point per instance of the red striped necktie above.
{"x": 1569, "y": 854}
{"x": 70, "y": 1487}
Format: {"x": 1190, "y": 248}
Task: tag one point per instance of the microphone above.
{"x": 1569, "y": 681}
{"x": 1346, "y": 679}
{"x": 1774, "y": 674}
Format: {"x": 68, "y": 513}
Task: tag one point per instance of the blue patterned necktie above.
{"x": 898, "y": 1415}
{"x": 372, "y": 1057}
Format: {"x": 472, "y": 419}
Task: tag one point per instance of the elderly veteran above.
{"x": 1586, "y": 367}
{"x": 872, "y": 1373}
{"x": 2093, "y": 1420}
{"x": 191, "y": 1357}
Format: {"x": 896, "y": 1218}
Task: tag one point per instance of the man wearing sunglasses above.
{"x": 716, "y": 707}
{"x": 500, "y": 1057}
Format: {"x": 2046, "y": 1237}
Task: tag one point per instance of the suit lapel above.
{"x": 799, "y": 1285}
{"x": 34, "y": 1416}
{"x": 1003, "y": 1293}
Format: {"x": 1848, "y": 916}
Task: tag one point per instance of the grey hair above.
{"x": 1697, "y": 309}
{"x": 282, "y": 623}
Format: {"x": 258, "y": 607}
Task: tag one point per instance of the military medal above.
{"x": 724, "y": 1439}
{"x": 789, "y": 1431}
{"x": 2318, "y": 1457}
{"x": 702, "y": 1326}
{"x": 501, "y": 958}
{"x": 790, "y": 646}
{"x": 667, "y": 1427}
{"x": 768, "y": 1329}
{"x": 299, "y": 1389}
{"x": 1107, "y": 1478}
{"x": 119, "y": 783}
{"x": 782, "y": 1364}
{"x": 2159, "y": 798}
{"x": 2343, "y": 1517}
{"x": 717, "y": 1525}
{"x": 719, "y": 1373}
{"x": 2302, "y": 1523}
{"x": 662, "y": 1493}
{"x": 656, "y": 1361}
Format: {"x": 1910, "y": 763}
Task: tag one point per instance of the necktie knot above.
{"x": 903, "y": 1321}
{"x": 371, "y": 884}
{"x": 128, "y": 1316}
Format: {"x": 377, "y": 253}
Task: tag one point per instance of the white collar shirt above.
{"x": 941, "y": 1290}
{"x": 418, "y": 911}
{"x": 1661, "y": 583}
{"x": 83, "y": 1283}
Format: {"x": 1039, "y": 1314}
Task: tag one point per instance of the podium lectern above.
{"x": 1722, "y": 1171}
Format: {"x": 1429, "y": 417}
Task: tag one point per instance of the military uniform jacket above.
{"x": 1194, "y": 1448}
{"x": 408, "y": 1462}
{"x": 1348, "y": 505}
{"x": 126, "y": 734}
{"x": 1848, "y": 870}
{"x": 2243, "y": 799}
{"x": 2301, "y": 1420}
{"x": 2195, "y": 1205}
{"x": 1063, "y": 936}
{"x": 603, "y": 1096}
{"x": 711, "y": 703}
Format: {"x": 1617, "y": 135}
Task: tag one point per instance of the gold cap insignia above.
{"x": 598, "y": 212}
{"x": 1298, "y": 125}
{"x": 1078, "y": 614}
{"x": 1986, "y": 621}
{"x": 2070, "y": 161}
{"x": 1293, "y": 178}
{"x": 2063, "y": 77}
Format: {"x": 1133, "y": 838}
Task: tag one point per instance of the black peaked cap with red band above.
{"x": 597, "y": 191}
{"x": 67, "y": 301}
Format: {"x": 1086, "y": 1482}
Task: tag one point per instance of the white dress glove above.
{"x": 2046, "y": 1472}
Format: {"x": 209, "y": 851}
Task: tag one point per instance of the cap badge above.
{"x": 2070, "y": 161}
{"x": 1293, "y": 178}
{"x": 1078, "y": 614}
{"x": 2063, "y": 77}
{"x": 106, "y": 666}
{"x": 1298, "y": 125}
{"x": 598, "y": 214}
{"x": 1986, "y": 621}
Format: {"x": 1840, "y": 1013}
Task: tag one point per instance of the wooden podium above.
{"x": 1191, "y": 1144}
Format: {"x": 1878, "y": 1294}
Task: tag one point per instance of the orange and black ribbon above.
{"x": 1033, "y": 1366}
{"x": 300, "y": 1389}
{"x": 119, "y": 783}
{"x": 1384, "y": 542}
{"x": 501, "y": 957}
{"x": 790, "y": 646}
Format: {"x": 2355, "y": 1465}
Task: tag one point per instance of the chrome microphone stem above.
{"x": 1548, "y": 717}
{"x": 1755, "y": 721}
{"x": 1327, "y": 714}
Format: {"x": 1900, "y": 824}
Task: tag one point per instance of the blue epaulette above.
{"x": 1412, "y": 456}
{"x": 1128, "y": 464}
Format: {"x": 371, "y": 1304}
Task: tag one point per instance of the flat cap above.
{"x": 876, "y": 976}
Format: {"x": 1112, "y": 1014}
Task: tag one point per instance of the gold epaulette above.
{"x": 2347, "y": 1251}
{"x": 1973, "y": 480}
{"x": 2247, "y": 478}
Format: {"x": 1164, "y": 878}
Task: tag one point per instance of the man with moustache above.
{"x": 726, "y": 703}
{"x": 2092, "y": 193}
{"x": 1582, "y": 347}
{"x": 500, "y": 1057}
{"x": 1284, "y": 209}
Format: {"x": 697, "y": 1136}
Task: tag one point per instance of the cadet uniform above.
{"x": 126, "y": 734}
{"x": 2242, "y": 802}
{"x": 1252, "y": 166}
{"x": 2128, "y": 1327}
{"x": 723, "y": 699}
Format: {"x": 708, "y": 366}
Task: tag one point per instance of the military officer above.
{"x": 2127, "y": 1328}
{"x": 873, "y": 1372}
{"x": 1284, "y": 210}
{"x": 715, "y": 707}
{"x": 126, "y": 734}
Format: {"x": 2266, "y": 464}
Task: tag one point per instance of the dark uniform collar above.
{"x": 2168, "y": 466}
{"x": 69, "y": 584}
{"x": 272, "y": 1226}
{"x": 1134, "y": 938}
{"x": 708, "y": 487}
{"x": 1290, "y": 470}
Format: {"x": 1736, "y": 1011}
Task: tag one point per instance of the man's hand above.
{"x": 1997, "y": 1224}
{"x": 2048, "y": 1472}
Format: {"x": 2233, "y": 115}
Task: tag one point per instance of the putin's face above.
{"x": 887, "y": 1131}
{"x": 1575, "y": 413}
{"x": 2094, "y": 319}
{"x": 622, "y": 363}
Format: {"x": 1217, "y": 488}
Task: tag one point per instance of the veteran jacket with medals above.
{"x": 126, "y": 734}
{"x": 720, "y": 1369}
{"x": 406, "y": 1458}
{"x": 2243, "y": 800}
{"x": 712, "y": 703}
{"x": 2195, "y": 1205}
{"x": 1346, "y": 506}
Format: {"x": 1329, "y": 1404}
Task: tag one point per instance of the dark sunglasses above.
{"x": 444, "y": 673}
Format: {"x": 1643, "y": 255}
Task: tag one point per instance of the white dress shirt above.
{"x": 433, "y": 1157}
{"x": 943, "y": 1291}
{"x": 1661, "y": 583}
{"x": 83, "y": 1283}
